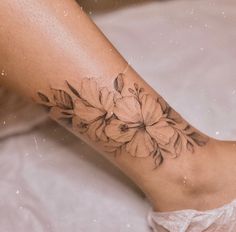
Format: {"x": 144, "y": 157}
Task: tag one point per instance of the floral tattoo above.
{"x": 125, "y": 119}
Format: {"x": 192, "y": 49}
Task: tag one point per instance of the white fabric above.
{"x": 51, "y": 181}
{"x": 221, "y": 219}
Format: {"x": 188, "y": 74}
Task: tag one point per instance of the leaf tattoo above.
{"x": 73, "y": 90}
{"x": 119, "y": 83}
{"x": 62, "y": 99}
{"x": 138, "y": 123}
{"x": 43, "y": 97}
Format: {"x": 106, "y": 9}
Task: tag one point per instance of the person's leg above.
{"x": 53, "y": 53}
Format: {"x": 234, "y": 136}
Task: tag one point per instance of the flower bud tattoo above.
{"x": 123, "y": 120}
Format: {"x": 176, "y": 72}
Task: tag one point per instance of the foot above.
{"x": 200, "y": 181}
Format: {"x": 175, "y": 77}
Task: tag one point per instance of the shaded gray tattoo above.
{"x": 123, "y": 120}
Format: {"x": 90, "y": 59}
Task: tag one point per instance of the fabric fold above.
{"x": 219, "y": 219}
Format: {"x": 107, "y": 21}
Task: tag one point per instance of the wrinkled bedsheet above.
{"x": 53, "y": 182}
{"x": 220, "y": 219}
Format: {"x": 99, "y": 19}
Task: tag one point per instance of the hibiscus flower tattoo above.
{"x": 125, "y": 119}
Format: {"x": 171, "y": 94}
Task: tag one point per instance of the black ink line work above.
{"x": 136, "y": 123}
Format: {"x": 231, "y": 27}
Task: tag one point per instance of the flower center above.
{"x": 124, "y": 128}
{"x": 83, "y": 125}
{"x": 142, "y": 126}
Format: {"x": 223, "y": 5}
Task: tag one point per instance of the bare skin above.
{"x": 52, "y": 53}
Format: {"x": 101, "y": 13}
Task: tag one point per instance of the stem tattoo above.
{"x": 124, "y": 119}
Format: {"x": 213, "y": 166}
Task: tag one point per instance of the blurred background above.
{"x": 53, "y": 182}
{"x": 100, "y": 6}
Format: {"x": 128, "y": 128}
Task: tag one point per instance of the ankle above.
{"x": 185, "y": 182}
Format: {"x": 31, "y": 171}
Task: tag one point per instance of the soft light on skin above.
{"x": 56, "y": 39}
{"x": 42, "y": 47}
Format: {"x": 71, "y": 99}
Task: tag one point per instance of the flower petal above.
{"x": 112, "y": 146}
{"x": 90, "y": 92}
{"x": 128, "y": 109}
{"x": 87, "y": 113}
{"x": 119, "y": 131}
{"x": 100, "y": 132}
{"x": 141, "y": 145}
{"x": 151, "y": 110}
{"x": 92, "y": 130}
{"x": 107, "y": 100}
{"x": 161, "y": 132}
